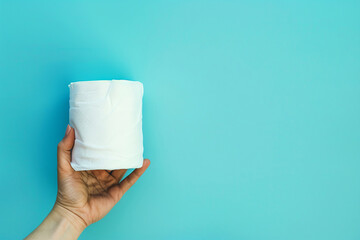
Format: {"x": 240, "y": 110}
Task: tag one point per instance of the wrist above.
{"x": 68, "y": 219}
{"x": 59, "y": 224}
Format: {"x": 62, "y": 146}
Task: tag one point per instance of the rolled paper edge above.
{"x": 102, "y": 166}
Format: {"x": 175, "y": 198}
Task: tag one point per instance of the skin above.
{"x": 83, "y": 197}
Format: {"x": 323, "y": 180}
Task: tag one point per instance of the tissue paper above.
{"x": 107, "y": 119}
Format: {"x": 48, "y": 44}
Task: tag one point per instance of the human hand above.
{"x": 83, "y": 197}
{"x": 89, "y": 195}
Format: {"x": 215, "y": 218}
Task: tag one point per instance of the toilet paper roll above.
{"x": 107, "y": 119}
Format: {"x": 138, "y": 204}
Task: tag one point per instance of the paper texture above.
{"x": 107, "y": 119}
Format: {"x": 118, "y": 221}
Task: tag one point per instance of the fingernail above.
{"x": 68, "y": 129}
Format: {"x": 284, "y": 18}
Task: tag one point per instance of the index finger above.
{"x": 118, "y": 190}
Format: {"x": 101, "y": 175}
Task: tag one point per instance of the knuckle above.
{"x": 133, "y": 180}
{"x": 60, "y": 145}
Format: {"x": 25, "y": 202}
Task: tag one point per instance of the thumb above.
{"x": 64, "y": 150}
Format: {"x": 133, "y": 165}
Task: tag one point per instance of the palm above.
{"x": 82, "y": 193}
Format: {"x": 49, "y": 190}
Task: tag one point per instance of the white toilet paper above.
{"x": 107, "y": 119}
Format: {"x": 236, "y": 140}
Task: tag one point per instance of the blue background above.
{"x": 251, "y": 114}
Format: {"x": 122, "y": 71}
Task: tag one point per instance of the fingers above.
{"x": 118, "y": 174}
{"x": 130, "y": 180}
{"x": 64, "y": 150}
{"x": 118, "y": 190}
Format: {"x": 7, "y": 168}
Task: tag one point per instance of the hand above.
{"x": 83, "y": 197}
{"x": 89, "y": 195}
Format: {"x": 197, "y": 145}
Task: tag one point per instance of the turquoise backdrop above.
{"x": 251, "y": 114}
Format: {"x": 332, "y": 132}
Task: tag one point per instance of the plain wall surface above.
{"x": 251, "y": 114}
